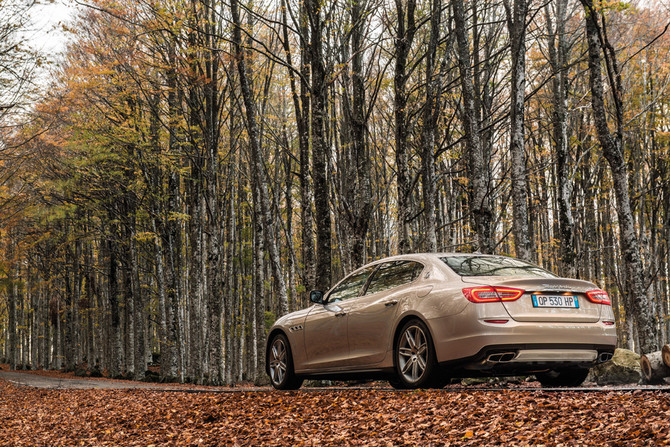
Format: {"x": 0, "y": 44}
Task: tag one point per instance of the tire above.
{"x": 569, "y": 377}
{"x": 413, "y": 357}
{"x": 280, "y": 364}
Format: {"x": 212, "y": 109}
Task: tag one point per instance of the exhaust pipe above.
{"x": 501, "y": 357}
{"x": 605, "y": 357}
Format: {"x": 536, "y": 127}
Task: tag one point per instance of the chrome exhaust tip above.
{"x": 501, "y": 357}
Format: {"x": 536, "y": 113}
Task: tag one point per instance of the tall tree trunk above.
{"x": 406, "y": 28}
{"x": 363, "y": 194}
{"x": 301, "y": 109}
{"x": 258, "y": 168}
{"x": 170, "y": 244}
{"x": 355, "y": 203}
{"x": 558, "y": 58}
{"x": 34, "y": 319}
{"x": 76, "y": 302}
{"x": 56, "y": 348}
{"x": 612, "y": 147}
{"x": 233, "y": 241}
{"x": 12, "y": 297}
{"x": 68, "y": 302}
{"x": 212, "y": 110}
{"x": 128, "y": 303}
{"x": 198, "y": 349}
{"x": 257, "y": 302}
{"x": 477, "y": 165}
{"x": 139, "y": 315}
{"x": 288, "y": 198}
{"x": 516, "y": 24}
{"x": 115, "y": 317}
{"x": 319, "y": 147}
{"x": 431, "y": 113}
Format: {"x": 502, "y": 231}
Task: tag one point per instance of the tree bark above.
{"x": 319, "y": 147}
{"x": 212, "y": 90}
{"x": 516, "y": 24}
{"x": 302, "y": 107}
{"x": 558, "y": 58}
{"x": 128, "y": 299}
{"x": 431, "y": 113}
{"x": 477, "y": 165}
{"x": 11, "y": 310}
{"x": 139, "y": 315}
{"x": 406, "y": 28}
{"x": 354, "y": 187}
{"x": 640, "y": 306}
{"x": 653, "y": 368}
{"x": 258, "y": 168}
{"x": 665, "y": 353}
{"x": 115, "y": 317}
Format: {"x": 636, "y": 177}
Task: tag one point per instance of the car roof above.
{"x": 432, "y": 256}
{"x": 427, "y": 258}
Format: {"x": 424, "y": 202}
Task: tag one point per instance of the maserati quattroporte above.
{"x": 419, "y": 320}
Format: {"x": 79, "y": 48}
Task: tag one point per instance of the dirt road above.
{"x": 57, "y": 382}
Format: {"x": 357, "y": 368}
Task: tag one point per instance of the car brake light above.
{"x": 488, "y": 294}
{"x": 599, "y": 297}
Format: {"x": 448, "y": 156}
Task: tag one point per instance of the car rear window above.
{"x": 494, "y": 266}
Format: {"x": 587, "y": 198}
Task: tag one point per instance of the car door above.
{"x": 326, "y": 341}
{"x": 372, "y": 317}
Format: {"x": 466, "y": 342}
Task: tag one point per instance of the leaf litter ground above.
{"x": 361, "y": 417}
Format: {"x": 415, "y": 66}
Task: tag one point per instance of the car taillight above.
{"x": 488, "y": 294}
{"x": 599, "y": 297}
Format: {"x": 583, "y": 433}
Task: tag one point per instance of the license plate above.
{"x": 569, "y": 301}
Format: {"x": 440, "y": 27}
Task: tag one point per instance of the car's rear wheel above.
{"x": 568, "y": 377}
{"x": 414, "y": 357}
{"x": 280, "y": 362}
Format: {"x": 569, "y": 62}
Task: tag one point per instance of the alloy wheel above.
{"x": 278, "y": 361}
{"x": 413, "y": 354}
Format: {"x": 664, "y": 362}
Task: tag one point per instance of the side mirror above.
{"x": 316, "y": 296}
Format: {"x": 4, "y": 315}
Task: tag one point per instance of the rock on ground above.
{"x": 624, "y": 368}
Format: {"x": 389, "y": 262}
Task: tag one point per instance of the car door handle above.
{"x": 340, "y": 314}
{"x": 391, "y": 303}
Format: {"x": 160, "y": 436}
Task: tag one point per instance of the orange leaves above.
{"x": 371, "y": 417}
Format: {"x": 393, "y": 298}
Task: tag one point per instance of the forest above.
{"x": 193, "y": 168}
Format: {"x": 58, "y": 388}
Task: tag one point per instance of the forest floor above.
{"x": 324, "y": 417}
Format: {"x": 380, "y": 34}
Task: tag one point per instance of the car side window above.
{"x": 394, "y": 274}
{"x": 350, "y": 287}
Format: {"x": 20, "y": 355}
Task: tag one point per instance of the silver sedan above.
{"x": 419, "y": 320}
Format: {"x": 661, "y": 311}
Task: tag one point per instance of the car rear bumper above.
{"x": 476, "y": 344}
{"x": 527, "y": 359}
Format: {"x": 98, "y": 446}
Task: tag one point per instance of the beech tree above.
{"x": 477, "y": 162}
{"x": 516, "y": 24}
{"x": 556, "y": 17}
{"x": 636, "y": 301}
{"x": 404, "y": 38}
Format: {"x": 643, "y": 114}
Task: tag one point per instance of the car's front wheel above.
{"x": 569, "y": 377}
{"x": 280, "y": 363}
{"x": 414, "y": 357}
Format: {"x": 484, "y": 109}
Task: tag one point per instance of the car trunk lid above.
{"x": 545, "y": 299}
